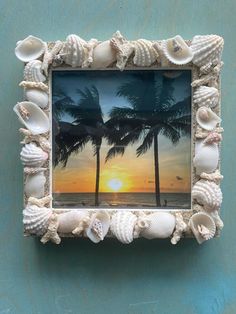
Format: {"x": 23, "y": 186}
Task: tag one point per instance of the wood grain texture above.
{"x": 146, "y": 276}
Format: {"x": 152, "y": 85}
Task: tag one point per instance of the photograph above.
{"x": 121, "y": 139}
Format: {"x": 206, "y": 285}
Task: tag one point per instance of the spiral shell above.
{"x": 37, "y": 96}
{"x": 36, "y": 219}
{"x": 74, "y": 51}
{"x": 206, "y": 96}
{"x": 33, "y": 156}
{"x": 98, "y": 227}
{"x": 30, "y": 48}
{"x": 207, "y": 119}
{"x": 122, "y": 226}
{"x": 207, "y": 49}
{"x": 202, "y": 226}
{"x": 34, "y": 185}
{"x": 144, "y": 53}
{"x": 206, "y": 157}
{"x": 33, "y": 71}
{"x": 208, "y": 194}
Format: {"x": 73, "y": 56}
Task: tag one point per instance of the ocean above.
{"x": 122, "y": 200}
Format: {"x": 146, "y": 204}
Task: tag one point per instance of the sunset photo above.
{"x": 121, "y": 139}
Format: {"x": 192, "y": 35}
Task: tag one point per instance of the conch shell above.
{"x": 29, "y": 49}
{"x": 202, "y": 226}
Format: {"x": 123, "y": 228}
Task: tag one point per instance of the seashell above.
{"x": 33, "y": 156}
{"x": 122, "y": 226}
{"x": 29, "y": 49}
{"x": 144, "y": 53}
{"x": 103, "y": 55}
{"x": 35, "y": 120}
{"x": 208, "y": 194}
{"x": 202, "y": 226}
{"x": 98, "y": 227}
{"x": 207, "y": 119}
{"x": 74, "y": 51}
{"x": 177, "y": 51}
{"x": 206, "y": 96}
{"x": 213, "y": 137}
{"x": 161, "y": 225}
{"x": 36, "y": 219}
{"x": 37, "y": 96}
{"x": 34, "y": 184}
{"x": 70, "y": 220}
{"x": 33, "y": 71}
{"x": 207, "y": 49}
{"x": 206, "y": 157}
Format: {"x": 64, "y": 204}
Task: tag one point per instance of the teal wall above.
{"x": 146, "y": 276}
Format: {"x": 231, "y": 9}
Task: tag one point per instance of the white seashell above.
{"x": 37, "y": 96}
{"x": 103, "y": 55}
{"x": 207, "y": 119}
{"x": 177, "y": 51}
{"x": 74, "y": 51}
{"x": 33, "y": 156}
{"x": 122, "y": 226}
{"x": 206, "y": 157}
{"x": 206, "y": 96}
{"x": 207, "y": 49}
{"x": 70, "y": 220}
{"x": 29, "y": 49}
{"x": 208, "y": 194}
{"x": 161, "y": 225}
{"x": 144, "y": 53}
{"x": 202, "y": 226}
{"x": 33, "y": 71}
{"x": 36, "y": 219}
{"x": 34, "y": 185}
{"x": 36, "y": 120}
{"x": 98, "y": 227}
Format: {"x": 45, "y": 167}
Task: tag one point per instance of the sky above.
{"x": 127, "y": 173}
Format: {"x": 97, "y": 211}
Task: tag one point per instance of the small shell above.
{"x": 213, "y": 137}
{"x": 70, "y": 220}
{"x": 33, "y": 156}
{"x": 103, "y": 55}
{"x": 202, "y": 226}
{"x": 74, "y": 51}
{"x": 208, "y": 194}
{"x": 29, "y": 49}
{"x": 206, "y": 157}
{"x": 37, "y": 121}
{"x": 36, "y": 219}
{"x": 34, "y": 185}
{"x": 206, "y": 96}
{"x": 33, "y": 71}
{"x": 177, "y": 51}
{"x": 207, "y": 119}
{"x": 98, "y": 227}
{"x": 144, "y": 53}
{"x": 122, "y": 226}
{"x": 161, "y": 225}
{"x": 37, "y": 96}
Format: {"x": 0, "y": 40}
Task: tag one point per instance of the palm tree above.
{"x": 152, "y": 112}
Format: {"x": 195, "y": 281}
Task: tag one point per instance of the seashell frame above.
{"x": 208, "y": 75}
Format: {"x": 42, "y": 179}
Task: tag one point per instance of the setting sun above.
{"x": 115, "y": 184}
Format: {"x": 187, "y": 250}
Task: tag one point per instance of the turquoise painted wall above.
{"x": 146, "y": 276}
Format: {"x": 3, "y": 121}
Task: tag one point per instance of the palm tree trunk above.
{"x": 97, "y": 175}
{"x": 156, "y": 166}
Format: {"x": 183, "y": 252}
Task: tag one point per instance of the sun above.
{"x": 115, "y": 184}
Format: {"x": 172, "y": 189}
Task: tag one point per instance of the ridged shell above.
{"x": 29, "y": 49}
{"x": 33, "y": 156}
{"x": 35, "y": 119}
{"x": 207, "y": 49}
{"x": 177, "y": 51}
{"x": 208, "y": 194}
{"x": 37, "y": 96}
{"x": 103, "y": 55}
{"x": 36, "y": 219}
{"x": 74, "y": 51}
{"x": 206, "y": 96}
{"x": 33, "y": 71}
{"x": 122, "y": 226}
{"x": 207, "y": 119}
{"x": 70, "y": 220}
{"x": 34, "y": 185}
{"x": 206, "y": 157}
{"x": 144, "y": 53}
{"x": 98, "y": 227}
{"x": 161, "y": 225}
{"x": 202, "y": 226}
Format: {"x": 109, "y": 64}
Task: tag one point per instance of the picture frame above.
{"x": 201, "y": 56}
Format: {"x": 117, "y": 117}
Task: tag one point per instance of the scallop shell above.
{"x": 70, "y": 220}
{"x": 207, "y": 119}
{"x": 33, "y": 156}
{"x": 37, "y": 96}
{"x": 206, "y": 96}
{"x": 74, "y": 51}
{"x": 208, "y": 194}
{"x": 103, "y": 55}
{"x": 202, "y": 226}
{"x": 144, "y": 53}
{"x": 29, "y": 49}
{"x": 206, "y": 157}
{"x": 177, "y": 51}
{"x": 207, "y": 49}
{"x": 122, "y": 226}
{"x": 36, "y": 219}
{"x": 34, "y": 185}
{"x": 34, "y": 118}
{"x": 33, "y": 71}
{"x": 161, "y": 225}
{"x": 98, "y": 227}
